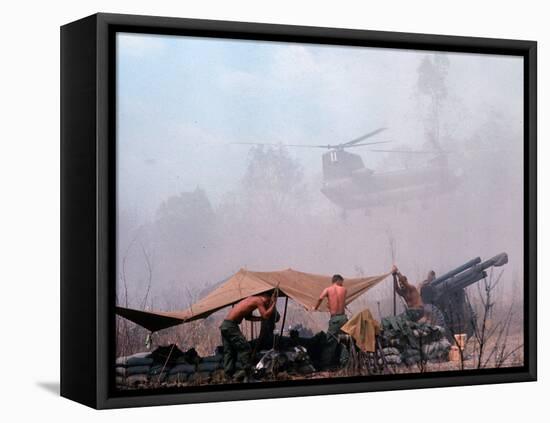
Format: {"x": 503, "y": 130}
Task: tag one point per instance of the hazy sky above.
{"x": 183, "y": 100}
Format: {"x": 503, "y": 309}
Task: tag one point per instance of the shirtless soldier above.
{"x": 336, "y": 297}
{"x": 235, "y": 346}
{"x": 415, "y": 306}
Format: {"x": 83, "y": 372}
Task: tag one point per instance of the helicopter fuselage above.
{"x": 348, "y": 184}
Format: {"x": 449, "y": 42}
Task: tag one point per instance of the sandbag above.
{"x": 212, "y": 359}
{"x": 182, "y": 360}
{"x": 135, "y": 380}
{"x": 182, "y": 368}
{"x": 139, "y": 359}
{"x": 209, "y": 366}
{"x": 157, "y": 369}
{"x": 437, "y": 350}
{"x": 134, "y": 370}
{"x": 390, "y": 351}
{"x": 120, "y": 371}
{"x": 392, "y": 359}
{"x": 177, "y": 377}
{"x": 120, "y": 380}
{"x": 199, "y": 377}
{"x": 158, "y": 378}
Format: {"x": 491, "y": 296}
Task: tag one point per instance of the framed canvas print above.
{"x": 256, "y": 211}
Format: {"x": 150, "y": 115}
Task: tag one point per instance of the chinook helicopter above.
{"x": 350, "y": 185}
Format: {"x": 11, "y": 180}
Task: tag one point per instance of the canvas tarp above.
{"x": 363, "y": 328}
{"x": 303, "y": 288}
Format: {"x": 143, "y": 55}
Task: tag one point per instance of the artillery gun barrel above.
{"x": 459, "y": 282}
{"x": 456, "y": 271}
{"x": 497, "y": 261}
{"x": 468, "y": 277}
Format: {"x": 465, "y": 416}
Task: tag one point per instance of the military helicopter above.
{"x": 350, "y": 185}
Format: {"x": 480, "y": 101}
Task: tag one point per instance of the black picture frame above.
{"x": 88, "y": 219}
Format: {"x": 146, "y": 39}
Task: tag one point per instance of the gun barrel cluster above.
{"x": 462, "y": 277}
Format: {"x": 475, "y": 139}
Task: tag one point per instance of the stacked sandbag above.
{"x": 412, "y": 341}
{"x": 159, "y": 368}
{"x": 437, "y": 350}
{"x": 180, "y": 372}
{"x": 158, "y": 373}
{"x": 392, "y": 355}
{"x": 133, "y": 370}
{"x": 207, "y": 368}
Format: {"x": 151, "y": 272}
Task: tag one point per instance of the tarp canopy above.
{"x": 303, "y": 288}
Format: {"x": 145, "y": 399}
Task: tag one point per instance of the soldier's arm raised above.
{"x": 396, "y": 285}
{"x": 266, "y": 313}
{"x": 321, "y": 297}
{"x": 403, "y": 281}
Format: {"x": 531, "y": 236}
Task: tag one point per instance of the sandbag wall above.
{"x": 143, "y": 370}
{"x": 168, "y": 366}
{"x": 409, "y": 342}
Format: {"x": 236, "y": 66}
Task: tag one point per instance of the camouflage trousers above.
{"x": 236, "y": 349}
{"x": 336, "y": 352}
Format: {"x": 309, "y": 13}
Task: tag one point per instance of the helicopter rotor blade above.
{"x": 410, "y": 151}
{"x": 255, "y": 143}
{"x": 361, "y": 138}
{"x": 310, "y": 146}
{"x": 367, "y": 143}
{"x": 287, "y": 145}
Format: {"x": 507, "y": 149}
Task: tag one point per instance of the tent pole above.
{"x": 394, "y": 296}
{"x": 284, "y": 317}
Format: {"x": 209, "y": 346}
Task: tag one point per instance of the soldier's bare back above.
{"x": 336, "y": 298}
{"x": 245, "y": 308}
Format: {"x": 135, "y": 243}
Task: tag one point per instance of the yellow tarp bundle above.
{"x": 363, "y": 328}
{"x": 303, "y": 288}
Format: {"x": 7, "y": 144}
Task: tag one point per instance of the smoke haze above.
{"x": 193, "y": 207}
